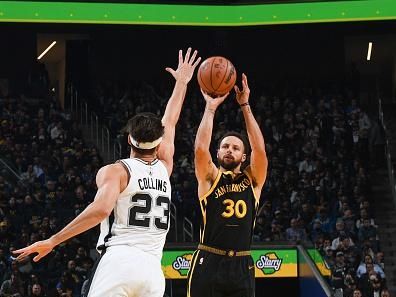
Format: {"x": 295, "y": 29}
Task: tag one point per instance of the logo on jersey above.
{"x": 242, "y": 186}
{"x": 269, "y": 263}
{"x": 182, "y": 264}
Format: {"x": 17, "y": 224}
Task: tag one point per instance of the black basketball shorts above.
{"x": 213, "y": 275}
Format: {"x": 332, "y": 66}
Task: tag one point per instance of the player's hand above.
{"x": 242, "y": 96}
{"x": 213, "y": 102}
{"x": 186, "y": 67}
{"x": 42, "y": 248}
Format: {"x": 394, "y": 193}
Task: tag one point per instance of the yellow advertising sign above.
{"x": 268, "y": 263}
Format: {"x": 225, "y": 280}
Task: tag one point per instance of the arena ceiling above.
{"x": 196, "y": 12}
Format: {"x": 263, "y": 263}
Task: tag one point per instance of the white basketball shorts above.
{"x": 125, "y": 271}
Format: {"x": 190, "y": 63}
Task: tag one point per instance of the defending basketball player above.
{"x": 137, "y": 192}
{"x": 222, "y": 265}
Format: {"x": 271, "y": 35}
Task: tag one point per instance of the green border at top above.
{"x": 196, "y": 15}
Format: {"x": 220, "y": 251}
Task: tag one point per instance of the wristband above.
{"x": 244, "y": 104}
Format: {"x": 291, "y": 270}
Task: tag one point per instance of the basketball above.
{"x": 216, "y": 76}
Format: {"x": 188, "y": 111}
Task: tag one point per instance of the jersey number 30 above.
{"x": 139, "y": 214}
{"x": 238, "y": 209}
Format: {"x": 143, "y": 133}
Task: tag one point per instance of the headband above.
{"x": 145, "y": 145}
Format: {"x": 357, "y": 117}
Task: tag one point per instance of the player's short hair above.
{"x": 145, "y": 127}
{"x": 237, "y": 135}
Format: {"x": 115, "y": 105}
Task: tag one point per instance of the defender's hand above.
{"x": 185, "y": 68}
{"x": 42, "y": 248}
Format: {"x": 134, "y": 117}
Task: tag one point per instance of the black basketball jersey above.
{"x": 228, "y": 212}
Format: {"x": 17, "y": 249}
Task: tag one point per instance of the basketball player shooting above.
{"x": 222, "y": 265}
{"x": 137, "y": 191}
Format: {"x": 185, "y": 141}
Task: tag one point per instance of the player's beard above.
{"x": 229, "y": 164}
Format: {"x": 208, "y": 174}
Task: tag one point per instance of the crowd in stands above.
{"x": 317, "y": 189}
{"x": 56, "y": 170}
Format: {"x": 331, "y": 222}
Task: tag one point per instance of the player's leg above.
{"x": 243, "y": 276}
{"x": 201, "y": 277}
{"x": 125, "y": 271}
{"x": 107, "y": 279}
{"x": 246, "y": 288}
{"x": 154, "y": 285}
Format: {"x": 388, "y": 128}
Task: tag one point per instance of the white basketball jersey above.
{"x": 141, "y": 214}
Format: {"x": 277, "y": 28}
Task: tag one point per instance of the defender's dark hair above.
{"x": 245, "y": 142}
{"x": 145, "y": 127}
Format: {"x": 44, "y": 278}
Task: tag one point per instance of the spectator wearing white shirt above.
{"x": 57, "y": 130}
{"x": 341, "y": 242}
{"x": 306, "y": 165}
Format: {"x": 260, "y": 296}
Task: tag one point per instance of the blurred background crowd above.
{"x": 321, "y": 145}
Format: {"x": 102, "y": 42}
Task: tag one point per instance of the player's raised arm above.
{"x": 205, "y": 169}
{"x": 182, "y": 75}
{"x": 108, "y": 180}
{"x": 258, "y": 159}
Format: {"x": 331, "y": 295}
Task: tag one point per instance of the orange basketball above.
{"x": 216, "y": 76}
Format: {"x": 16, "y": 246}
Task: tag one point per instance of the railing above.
{"x": 173, "y": 218}
{"x": 311, "y": 280}
{"x": 105, "y": 144}
{"x": 98, "y": 132}
{"x": 391, "y": 171}
{"x": 9, "y": 169}
{"x": 188, "y": 230}
{"x": 11, "y": 175}
{"x": 117, "y": 150}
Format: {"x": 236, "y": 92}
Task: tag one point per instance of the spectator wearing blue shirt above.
{"x": 295, "y": 233}
{"x": 362, "y": 267}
